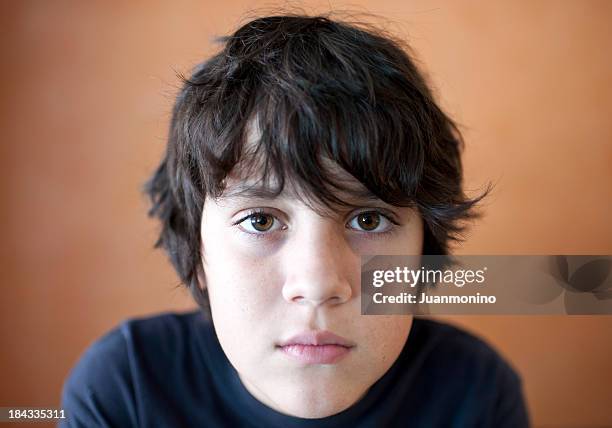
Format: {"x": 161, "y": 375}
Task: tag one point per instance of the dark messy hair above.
{"x": 315, "y": 89}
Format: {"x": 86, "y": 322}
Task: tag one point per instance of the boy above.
{"x": 304, "y": 144}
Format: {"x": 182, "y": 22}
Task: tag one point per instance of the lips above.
{"x": 316, "y": 347}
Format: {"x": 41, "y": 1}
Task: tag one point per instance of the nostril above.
{"x": 298, "y": 299}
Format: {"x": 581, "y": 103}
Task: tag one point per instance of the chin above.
{"x": 306, "y": 411}
{"x": 316, "y": 405}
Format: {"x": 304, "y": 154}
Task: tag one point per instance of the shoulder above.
{"x": 445, "y": 342}
{"x": 101, "y": 389}
{"x": 99, "y": 385}
{"x": 163, "y": 333}
{"x": 466, "y": 367}
{"x": 155, "y": 335}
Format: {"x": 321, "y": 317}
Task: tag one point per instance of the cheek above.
{"x": 239, "y": 284}
{"x": 385, "y": 336}
{"x": 240, "y": 274}
{"x": 243, "y": 290}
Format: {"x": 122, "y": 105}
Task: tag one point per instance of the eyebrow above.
{"x": 244, "y": 191}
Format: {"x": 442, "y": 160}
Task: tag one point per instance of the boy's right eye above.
{"x": 262, "y": 222}
{"x": 259, "y": 222}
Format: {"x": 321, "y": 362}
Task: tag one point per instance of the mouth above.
{"x": 316, "y": 347}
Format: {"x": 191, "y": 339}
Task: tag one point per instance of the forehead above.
{"x": 346, "y": 187}
{"x": 316, "y": 180}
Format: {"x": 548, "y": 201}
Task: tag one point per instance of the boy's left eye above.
{"x": 370, "y": 221}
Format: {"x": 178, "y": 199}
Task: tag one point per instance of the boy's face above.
{"x": 281, "y": 278}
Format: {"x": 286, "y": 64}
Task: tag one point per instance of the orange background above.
{"x": 86, "y": 91}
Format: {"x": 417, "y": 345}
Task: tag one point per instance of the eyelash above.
{"x": 367, "y": 235}
{"x": 250, "y": 214}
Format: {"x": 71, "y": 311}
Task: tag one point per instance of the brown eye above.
{"x": 368, "y": 221}
{"x": 262, "y": 222}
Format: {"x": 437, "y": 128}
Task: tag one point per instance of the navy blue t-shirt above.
{"x": 170, "y": 371}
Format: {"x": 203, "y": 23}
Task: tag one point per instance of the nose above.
{"x": 319, "y": 267}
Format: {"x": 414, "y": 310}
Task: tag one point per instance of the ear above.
{"x": 201, "y": 278}
{"x": 197, "y": 288}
